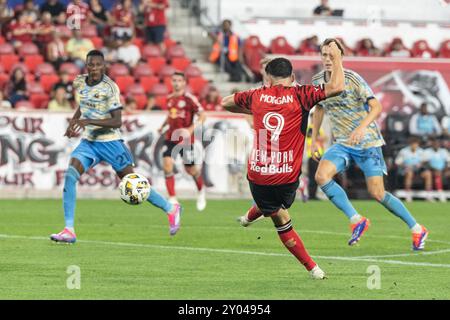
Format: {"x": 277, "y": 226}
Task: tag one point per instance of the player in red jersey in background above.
{"x": 179, "y": 138}
{"x": 280, "y": 117}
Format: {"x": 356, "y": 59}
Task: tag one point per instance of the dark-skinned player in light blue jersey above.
{"x": 99, "y": 115}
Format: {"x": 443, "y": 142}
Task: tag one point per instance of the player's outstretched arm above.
{"x": 336, "y": 84}
{"x": 229, "y": 105}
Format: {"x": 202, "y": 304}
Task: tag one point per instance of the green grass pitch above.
{"x": 125, "y": 252}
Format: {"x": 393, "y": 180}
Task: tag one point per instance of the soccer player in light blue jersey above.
{"x": 357, "y": 139}
{"x": 99, "y": 115}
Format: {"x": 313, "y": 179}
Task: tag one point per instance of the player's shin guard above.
{"x": 294, "y": 244}
{"x": 69, "y": 195}
{"x": 198, "y": 181}
{"x": 394, "y": 205}
{"x": 170, "y": 184}
{"x": 156, "y": 199}
{"x": 339, "y": 198}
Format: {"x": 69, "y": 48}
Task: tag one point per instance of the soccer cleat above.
{"x": 243, "y": 220}
{"x": 65, "y": 236}
{"x": 174, "y": 219}
{"x": 317, "y": 273}
{"x": 358, "y": 229}
{"x": 201, "y": 200}
{"x": 419, "y": 239}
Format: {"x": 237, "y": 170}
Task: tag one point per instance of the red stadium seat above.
{"x": 161, "y": 101}
{"x": 159, "y": 89}
{"x": 34, "y": 87}
{"x": 141, "y": 100}
{"x": 180, "y": 63}
{"x": 135, "y": 89}
{"x": 70, "y": 68}
{"x": 33, "y": 61}
{"x": 139, "y": 42}
{"x": 64, "y": 31}
{"x": 197, "y": 84}
{"x": 2, "y": 40}
{"x": 6, "y": 48}
{"x": 142, "y": 70}
{"x": 44, "y": 68}
{"x": 444, "y": 51}
{"x": 151, "y": 51}
{"x": 421, "y": 49}
{"x": 118, "y": 69}
{"x": 148, "y": 82}
{"x": 2, "y": 70}
{"x": 175, "y": 51}
{"x": 156, "y": 63}
{"x": 168, "y": 83}
{"x": 166, "y": 71}
{"x": 39, "y": 100}
{"x": 4, "y": 78}
{"x": 24, "y": 105}
{"x": 29, "y": 77}
{"x": 254, "y": 51}
{"x": 192, "y": 71}
{"x": 97, "y": 42}
{"x": 280, "y": 45}
{"x": 123, "y": 82}
{"x": 28, "y": 48}
{"x": 89, "y": 31}
{"x": 169, "y": 42}
{"x": 8, "y": 61}
{"x": 48, "y": 81}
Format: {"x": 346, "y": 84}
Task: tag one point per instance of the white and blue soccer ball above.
{"x": 134, "y": 188}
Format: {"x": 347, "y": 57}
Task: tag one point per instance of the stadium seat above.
{"x": 168, "y": 83}
{"x": 70, "y": 68}
{"x": 175, "y": 51}
{"x": 28, "y": 48}
{"x": 141, "y": 100}
{"x": 139, "y": 42}
{"x": 308, "y": 47}
{"x": 166, "y": 71}
{"x": 44, "y": 69}
{"x": 159, "y": 89}
{"x": 118, "y": 69}
{"x": 8, "y": 61}
{"x": 161, "y": 101}
{"x": 64, "y": 31}
{"x": 254, "y": 51}
{"x": 197, "y": 84}
{"x": 6, "y": 48}
{"x": 4, "y": 78}
{"x": 151, "y": 51}
{"x": 444, "y": 51}
{"x": 34, "y": 87}
{"x": 180, "y": 63}
{"x": 192, "y": 71}
{"x": 24, "y": 105}
{"x": 2, "y": 70}
{"x": 135, "y": 89}
{"x": 22, "y": 66}
{"x": 142, "y": 70}
{"x": 33, "y": 61}
{"x": 89, "y": 31}
{"x": 169, "y": 42}
{"x": 47, "y": 81}
{"x": 421, "y": 49}
{"x": 2, "y": 40}
{"x": 280, "y": 45}
{"x": 39, "y": 100}
{"x": 123, "y": 82}
{"x": 97, "y": 42}
{"x": 147, "y": 82}
{"x": 156, "y": 63}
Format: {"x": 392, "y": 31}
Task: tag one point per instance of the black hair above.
{"x": 179, "y": 73}
{"x": 279, "y": 68}
{"x": 95, "y": 53}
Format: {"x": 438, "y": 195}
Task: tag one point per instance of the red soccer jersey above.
{"x": 24, "y": 37}
{"x": 81, "y": 10}
{"x": 280, "y": 118}
{"x": 123, "y": 16}
{"x": 156, "y": 17}
{"x": 181, "y": 115}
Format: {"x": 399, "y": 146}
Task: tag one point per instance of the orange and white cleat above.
{"x": 65, "y": 236}
{"x": 419, "y": 239}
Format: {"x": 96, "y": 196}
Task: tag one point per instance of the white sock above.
{"x": 355, "y": 219}
{"x": 71, "y": 229}
{"x": 417, "y": 228}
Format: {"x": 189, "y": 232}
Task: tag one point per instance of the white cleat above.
{"x": 245, "y": 222}
{"x": 317, "y": 273}
{"x": 173, "y": 200}
{"x": 201, "y": 200}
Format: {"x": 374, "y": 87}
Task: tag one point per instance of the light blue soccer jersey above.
{"x": 97, "y": 102}
{"x": 347, "y": 110}
{"x": 410, "y": 158}
{"x": 437, "y": 159}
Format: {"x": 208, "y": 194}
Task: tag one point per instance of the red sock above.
{"x": 170, "y": 184}
{"x": 199, "y": 182}
{"x": 294, "y": 244}
{"x": 253, "y": 213}
{"x": 438, "y": 182}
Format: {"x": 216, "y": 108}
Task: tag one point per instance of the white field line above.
{"x": 152, "y": 246}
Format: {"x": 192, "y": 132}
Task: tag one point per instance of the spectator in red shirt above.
{"x": 123, "y": 20}
{"x": 21, "y": 30}
{"x": 155, "y": 21}
{"x": 367, "y": 48}
{"x": 212, "y": 100}
{"x": 44, "y": 30}
{"x": 79, "y": 10}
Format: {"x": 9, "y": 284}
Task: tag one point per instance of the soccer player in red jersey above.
{"x": 280, "y": 117}
{"x": 179, "y": 138}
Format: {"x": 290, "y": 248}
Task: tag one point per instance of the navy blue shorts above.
{"x": 155, "y": 34}
{"x": 114, "y": 152}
